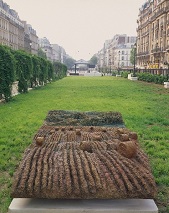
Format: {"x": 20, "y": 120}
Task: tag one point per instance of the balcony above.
{"x": 145, "y": 33}
{"x": 161, "y": 11}
{"x": 139, "y": 28}
{"x": 143, "y": 53}
{"x": 153, "y": 17}
{"x": 157, "y": 50}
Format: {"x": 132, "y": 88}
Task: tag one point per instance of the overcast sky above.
{"x": 79, "y": 26}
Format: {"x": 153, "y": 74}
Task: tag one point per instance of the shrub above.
{"x": 60, "y": 70}
{"x": 36, "y": 71}
{"x": 24, "y": 68}
{"x": 124, "y": 74}
{"x": 29, "y": 70}
{"x": 7, "y": 72}
{"x": 158, "y": 79}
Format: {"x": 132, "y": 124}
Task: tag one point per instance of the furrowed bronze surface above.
{"x": 84, "y": 162}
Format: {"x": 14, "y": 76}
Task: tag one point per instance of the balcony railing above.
{"x": 143, "y": 53}
{"x": 157, "y": 50}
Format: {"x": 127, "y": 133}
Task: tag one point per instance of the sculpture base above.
{"x": 28, "y": 205}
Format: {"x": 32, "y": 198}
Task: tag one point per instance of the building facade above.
{"x": 15, "y": 33}
{"x": 31, "y": 44}
{"x": 56, "y": 53}
{"x": 153, "y": 35}
{"x": 11, "y": 28}
{"x": 59, "y": 53}
{"x": 34, "y": 40}
{"x": 46, "y": 46}
{"x": 116, "y": 53}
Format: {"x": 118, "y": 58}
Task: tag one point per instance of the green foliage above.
{"x": 124, "y": 74}
{"x": 41, "y": 53}
{"x": 7, "y": 72}
{"x": 50, "y": 71}
{"x": 132, "y": 54}
{"x": 29, "y": 70}
{"x": 93, "y": 60}
{"x": 36, "y": 71}
{"x": 24, "y": 69}
{"x": 43, "y": 75}
{"x": 60, "y": 70}
{"x": 69, "y": 62}
{"x": 158, "y": 79}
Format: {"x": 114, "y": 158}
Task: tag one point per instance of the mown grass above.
{"x": 144, "y": 108}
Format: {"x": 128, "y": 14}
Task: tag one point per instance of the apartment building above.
{"x": 46, "y": 46}
{"x": 56, "y": 53}
{"x": 59, "y": 53}
{"x": 116, "y": 52}
{"x": 153, "y": 35}
{"x": 11, "y": 28}
{"x": 31, "y": 44}
{"x": 15, "y": 33}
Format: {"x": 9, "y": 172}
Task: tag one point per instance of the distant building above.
{"x": 27, "y": 40}
{"x": 34, "y": 40}
{"x": 30, "y": 39}
{"x": 46, "y": 46}
{"x": 116, "y": 53}
{"x": 56, "y": 53}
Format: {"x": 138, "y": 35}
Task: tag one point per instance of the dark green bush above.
{"x": 157, "y": 79}
{"x": 29, "y": 70}
{"x": 35, "y": 71}
{"x": 24, "y": 70}
{"x": 124, "y": 74}
{"x": 7, "y": 72}
{"x": 60, "y": 70}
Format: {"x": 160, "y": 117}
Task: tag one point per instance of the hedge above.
{"x": 29, "y": 70}
{"x": 7, "y": 72}
{"x": 157, "y": 79}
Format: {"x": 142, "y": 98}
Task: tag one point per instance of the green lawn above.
{"x": 144, "y": 108}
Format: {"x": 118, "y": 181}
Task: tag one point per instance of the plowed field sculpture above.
{"x": 84, "y": 162}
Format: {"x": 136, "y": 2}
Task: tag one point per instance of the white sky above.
{"x": 79, "y": 26}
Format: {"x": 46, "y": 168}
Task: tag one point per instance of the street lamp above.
{"x": 30, "y": 46}
{"x": 134, "y": 70}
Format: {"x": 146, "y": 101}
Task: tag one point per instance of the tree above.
{"x": 36, "y": 70}
{"x": 7, "y": 72}
{"x": 41, "y": 53}
{"x": 43, "y": 75}
{"x": 24, "y": 70}
{"x": 69, "y": 62}
{"x": 132, "y": 55}
{"x": 93, "y": 60}
{"x": 60, "y": 70}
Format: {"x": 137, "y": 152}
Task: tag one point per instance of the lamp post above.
{"x": 30, "y": 46}
{"x": 134, "y": 69}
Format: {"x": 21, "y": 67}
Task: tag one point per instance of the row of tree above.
{"x": 29, "y": 70}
